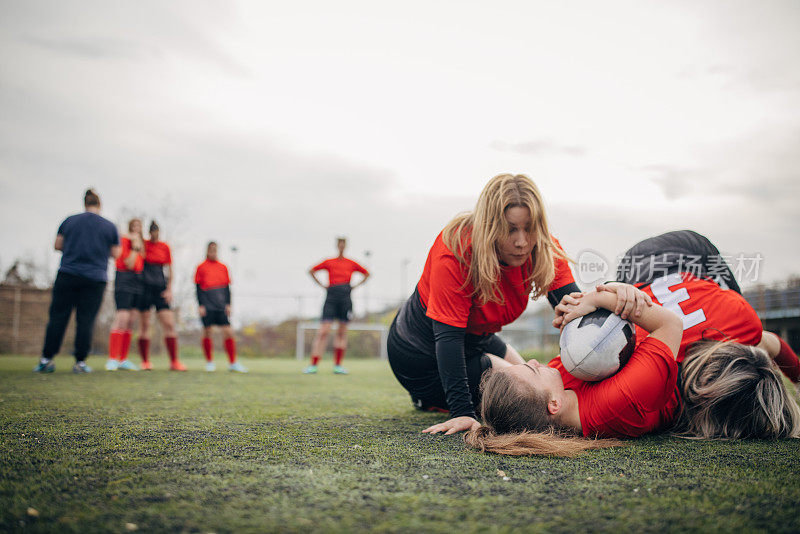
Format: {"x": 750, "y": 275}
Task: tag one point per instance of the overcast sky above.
{"x": 275, "y": 126}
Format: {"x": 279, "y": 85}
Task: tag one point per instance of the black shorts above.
{"x": 128, "y": 288}
{"x": 126, "y": 300}
{"x": 215, "y": 318}
{"x": 419, "y": 373}
{"x": 338, "y": 305}
{"x": 679, "y": 251}
{"x": 152, "y": 297}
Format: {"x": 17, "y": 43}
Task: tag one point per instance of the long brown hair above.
{"x": 486, "y": 224}
{"x": 733, "y": 391}
{"x": 516, "y": 422}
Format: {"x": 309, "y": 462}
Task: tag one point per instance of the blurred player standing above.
{"x": 86, "y": 241}
{"x": 214, "y": 306}
{"x": 128, "y": 289}
{"x": 338, "y": 305}
{"x": 158, "y": 293}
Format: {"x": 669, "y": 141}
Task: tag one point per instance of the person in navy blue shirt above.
{"x": 86, "y": 241}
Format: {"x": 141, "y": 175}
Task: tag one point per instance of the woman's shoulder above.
{"x": 458, "y": 245}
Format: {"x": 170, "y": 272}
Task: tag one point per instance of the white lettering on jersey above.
{"x": 671, "y": 299}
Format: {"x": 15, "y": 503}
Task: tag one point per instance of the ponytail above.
{"x": 550, "y": 443}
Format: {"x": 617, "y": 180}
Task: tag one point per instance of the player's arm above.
{"x": 495, "y": 346}
{"x": 662, "y": 323}
{"x": 129, "y": 255}
{"x": 167, "y": 293}
{"x": 201, "y": 300}
{"x": 59, "y": 244}
{"x": 783, "y": 355}
{"x": 453, "y": 374}
{"x": 770, "y": 343}
{"x": 564, "y": 281}
{"x": 363, "y": 279}
{"x": 555, "y": 296}
{"x": 313, "y": 274}
{"x": 227, "y": 292}
{"x": 629, "y": 299}
{"x": 116, "y": 250}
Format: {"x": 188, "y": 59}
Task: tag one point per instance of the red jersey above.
{"x": 340, "y": 270}
{"x": 642, "y": 397}
{"x": 707, "y": 310}
{"x": 448, "y": 294}
{"x": 211, "y": 275}
{"x": 157, "y": 253}
{"x": 138, "y": 266}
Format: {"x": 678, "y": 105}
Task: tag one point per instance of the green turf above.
{"x": 279, "y": 451}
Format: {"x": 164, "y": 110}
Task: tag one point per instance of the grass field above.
{"x": 275, "y": 450}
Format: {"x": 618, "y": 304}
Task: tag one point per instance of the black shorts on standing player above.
{"x": 338, "y": 305}
{"x": 215, "y": 318}
{"x": 128, "y": 290}
{"x": 151, "y": 296}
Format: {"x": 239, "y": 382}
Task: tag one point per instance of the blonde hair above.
{"x": 130, "y": 223}
{"x": 733, "y": 391}
{"x": 516, "y": 422}
{"x": 486, "y": 225}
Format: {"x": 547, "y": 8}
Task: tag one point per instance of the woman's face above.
{"x": 515, "y": 247}
{"x": 136, "y": 227}
{"x": 539, "y": 376}
{"x": 153, "y": 235}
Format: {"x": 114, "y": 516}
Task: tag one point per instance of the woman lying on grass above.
{"x": 533, "y": 408}
{"x": 725, "y": 390}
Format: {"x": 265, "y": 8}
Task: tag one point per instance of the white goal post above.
{"x": 300, "y": 348}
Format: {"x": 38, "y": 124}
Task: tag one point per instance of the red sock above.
{"x": 208, "y": 348}
{"x": 314, "y": 359}
{"x": 144, "y": 349}
{"x": 788, "y": 362}
{"x": 172, "y": 348}
{"x": 126, "y": 345}
{"x": 114, "y": 345}
{"x": 338, "y": 354}
{"x": 230, "y": 348}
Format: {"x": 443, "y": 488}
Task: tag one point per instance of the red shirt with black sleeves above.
{"x": 138, "y": 265}
{"x": 340, "y": 270}
{"x": 212, "y": 282}
{"x": 211, "y": 275}
{"x": 642, "y": 397}
{"x": 447, "y": 293}
{"x": 707, "y": 311}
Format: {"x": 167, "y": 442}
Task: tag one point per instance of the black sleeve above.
{"x": 453, "y": 368}
{"x": 228, "y": 295}
{"x": 555, "y": 296}
{"x": 495, "y": 345}
{"x": 201, "y": 300}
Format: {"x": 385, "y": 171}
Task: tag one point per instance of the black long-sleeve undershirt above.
{"x": 555, "y": 296}
{"x": 453, "y": 369}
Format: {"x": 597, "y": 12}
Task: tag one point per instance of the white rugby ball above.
{"x": 597, "y": 345}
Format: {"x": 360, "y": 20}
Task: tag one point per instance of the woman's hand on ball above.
{"x": 629, "y": 298}
{"x": 451, "y": 426}
{"x": 586, "y": 305}
{"x": 563, "y": 307}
